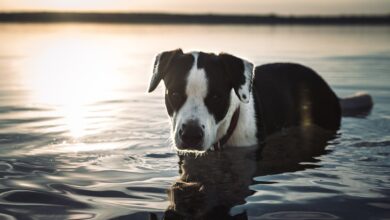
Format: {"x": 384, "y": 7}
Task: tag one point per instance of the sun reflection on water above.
{"x": 70, "y": 74}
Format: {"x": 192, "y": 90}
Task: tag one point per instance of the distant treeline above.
{"x": 160, "y": 18}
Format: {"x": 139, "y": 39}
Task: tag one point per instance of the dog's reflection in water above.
{"x": 211, "y": 184}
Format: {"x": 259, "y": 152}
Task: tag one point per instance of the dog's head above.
{"x": 199, "y": 94}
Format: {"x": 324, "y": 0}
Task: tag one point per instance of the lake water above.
{"x": 81, "y": 139}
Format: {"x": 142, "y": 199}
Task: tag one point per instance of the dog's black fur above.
{"x": 289, "y": 95}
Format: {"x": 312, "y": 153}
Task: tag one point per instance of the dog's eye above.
{"x": 175, "y": 95}
{"x": 215, "y": 96}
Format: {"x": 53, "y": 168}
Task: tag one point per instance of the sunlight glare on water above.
{"x": 71, "y": 73}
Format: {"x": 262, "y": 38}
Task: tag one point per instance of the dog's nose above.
{"x": 191, "y": 135}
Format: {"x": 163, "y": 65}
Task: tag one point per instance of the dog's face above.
{"x": 198, "y": 94}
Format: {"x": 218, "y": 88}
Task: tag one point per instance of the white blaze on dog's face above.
{"x": 199, "y": 94}
{"x": 193, "y": 126}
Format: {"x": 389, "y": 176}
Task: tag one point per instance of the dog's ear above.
{"x": 161, "y": 66}
{"x": 241, "y": 73}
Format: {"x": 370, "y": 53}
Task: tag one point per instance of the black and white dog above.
{"x": 222, "y": 100}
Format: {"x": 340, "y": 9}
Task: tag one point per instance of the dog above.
{"x": 217, "y": 101}
{"x": 222, "y": 101}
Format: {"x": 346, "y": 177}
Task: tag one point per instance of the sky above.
{"x": 283, "y": 7}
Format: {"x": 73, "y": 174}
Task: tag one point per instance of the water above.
{"x": 81, "y": 139}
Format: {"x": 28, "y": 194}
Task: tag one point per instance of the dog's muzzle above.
{"x": 191, "y": 136}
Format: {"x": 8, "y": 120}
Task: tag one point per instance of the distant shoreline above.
{"x": 162, "y": 18}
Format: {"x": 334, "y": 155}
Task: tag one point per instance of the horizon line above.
{"x": 192, "y": 13}
{"x": 194, "y": 18}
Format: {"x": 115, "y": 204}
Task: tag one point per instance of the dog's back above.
{"x": 290, "y": 95}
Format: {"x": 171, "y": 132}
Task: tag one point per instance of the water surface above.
{"x": 81, "y": 139}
